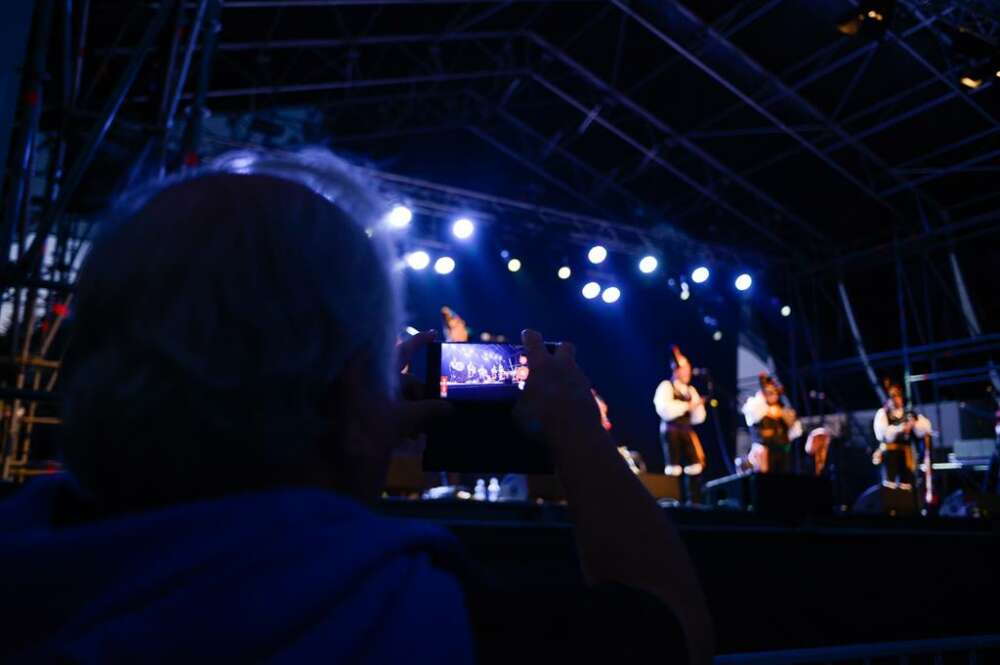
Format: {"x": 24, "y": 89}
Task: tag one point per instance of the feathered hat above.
{"x": 891, "y": 387}
{"x": 680, "y": 360}
{"x": 767, "y": 380}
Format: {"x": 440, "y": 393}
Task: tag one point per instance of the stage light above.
{"x": 399, "y": 217}
{"x": 514, "y": 265}
{"x": 717, "y": 335}
{"x": 444, "y": 265}
{"x": 418, "y": 260}
{"x": 410, "y": 330}
{"x": 971, "y": 82}
{"x": 786, "y": 311}
{"x": 648, "y": 264}
{"x": 685, "y": 295}
{"x": 597, "y": 254}
{"x": 591, "y": 290}
{"x": 743, "y": 282}
{"x": 504, "y": 254}
{"x": 611, "y": 294}
{"x": 463, "y": 228}
{"x": 700, "y": 275}
{"x": 714, "y": 403}
{"x": 564, "y": 272}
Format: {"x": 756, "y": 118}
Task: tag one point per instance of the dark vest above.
{"x": 682, "y": 421}
{"x": 772, "y": 432}
{"x": 899, "y": 419}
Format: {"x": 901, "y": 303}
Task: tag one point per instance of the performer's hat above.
{"x": 680, "y": 360}
{"x": 767, "y": 381}
{"x": 892, "y": 388}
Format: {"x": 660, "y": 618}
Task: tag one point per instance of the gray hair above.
{"x": 215, "y": 313}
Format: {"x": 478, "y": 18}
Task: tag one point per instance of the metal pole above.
{"x": 26, "y": 263}
{"x": 25, "y": 144}
{"x": 903, "y": 334}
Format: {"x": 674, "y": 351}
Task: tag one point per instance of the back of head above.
{"x": 214, "y": 318}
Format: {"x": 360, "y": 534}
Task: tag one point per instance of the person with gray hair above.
{"x": 231, "y": 401}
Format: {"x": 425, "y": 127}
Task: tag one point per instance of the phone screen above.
{"x": 484, "y": 382}
{"x": 483, "y": 372}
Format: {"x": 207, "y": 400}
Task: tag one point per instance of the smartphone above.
{"x": 483, "y": 381}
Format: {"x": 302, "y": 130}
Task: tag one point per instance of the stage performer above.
{"x": 818, "y": 445}
{"x": 900, "y": 432}
{"x": 455, "y": 329}
{"x": 773, "y": 426}
{"x": 680, "y": 408}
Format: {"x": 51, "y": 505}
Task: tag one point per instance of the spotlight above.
{"x": 597, "y": 254}
{"x": 410, "y": 330}
{"x": 418, "y": 260}
{"x": 971, "y": 82}
{"x": 611, "y": 294}
{"x": 648, "y": 264}
{"x": 700, "y": 275}
{"x": 786, "y": 311}
{"x": 743, "y": 282}
{"x": 444, "y": 265}
{"x": 717, "y": 335}
{"x": 504, "y": 254}
{"x": 591, "y": 290}
{"x": 870, "y": 19}
{"x": 399, "y": 217}
{"x": 564, "y": 272}
{"x": 463, "y": 228}
{"x": 514, "y": 265}
{"x": 685, "y": 295}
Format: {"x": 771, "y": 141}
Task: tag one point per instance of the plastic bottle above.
{"x": 493, "y": 491}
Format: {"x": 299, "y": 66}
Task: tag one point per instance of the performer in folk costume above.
{"x": 455, "y": 329}
{"x": 773, "y": 427}
{"x": 900, "y": 433}
{"x": 818, "y": 445}
{"x": 680, "y": 408}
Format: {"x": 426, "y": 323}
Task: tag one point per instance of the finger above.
{"x": 534, "y": 348}
{"x": 406, "y": 348}
{"x": 416, "y": 417}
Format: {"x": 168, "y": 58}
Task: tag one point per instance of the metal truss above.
{"x": 491, "y": 83}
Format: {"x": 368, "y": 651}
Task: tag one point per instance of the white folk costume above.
{"x": 680, "y": 408}
{"x": 773, "y": 427}
{"x": 901, "y": 434}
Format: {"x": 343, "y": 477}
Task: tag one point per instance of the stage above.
{"x": 772, "y": 584}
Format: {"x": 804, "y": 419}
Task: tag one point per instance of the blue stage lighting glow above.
{"x": 418, "y": 260}
{"x": 591, "y": 290}
{"x": 743, "y": 282}
{"x": 597, "y": 254}
{"x": 700, "y": 275}
{"x": 648, "y": 264}
{"x": 514, "y": 265}
{"x": 463, "y": 228}
{"x": 444, "y": 265}
{"x": 564, "y": 272}
{"x": 399, "y": 217}
{"x": 611, "y": 294}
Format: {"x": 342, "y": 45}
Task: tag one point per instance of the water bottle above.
{"x": 493, "y": 491}
{"x": 479, "y": 493}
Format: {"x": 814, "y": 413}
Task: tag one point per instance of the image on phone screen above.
{"x": 482, "y": 372}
